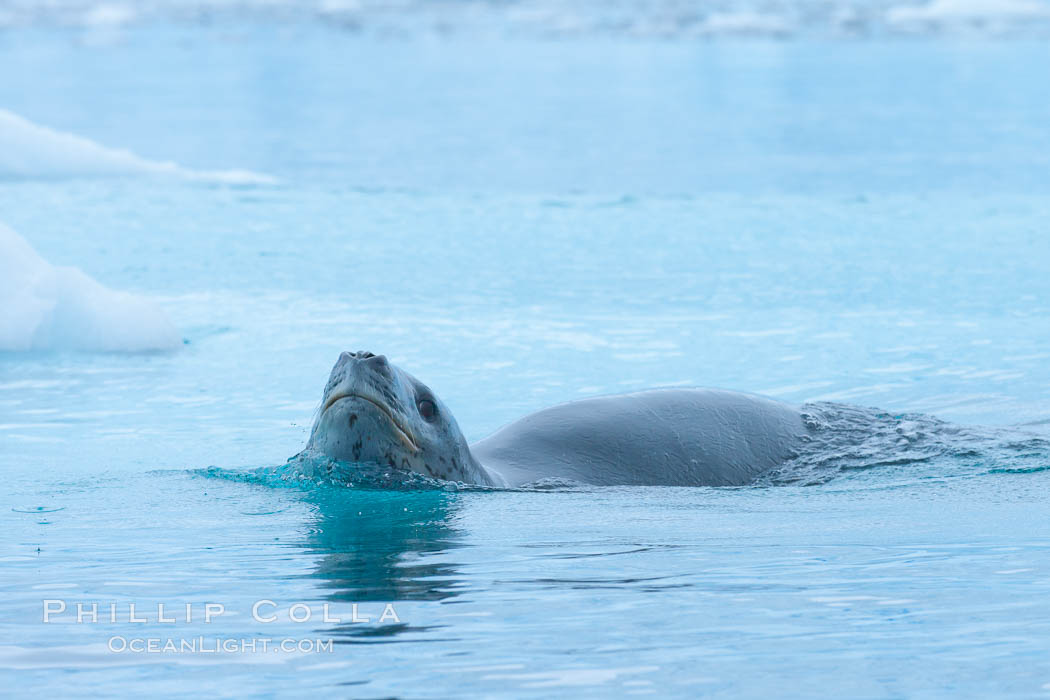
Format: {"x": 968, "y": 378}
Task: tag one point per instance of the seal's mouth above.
{"x": 402, "y": 432}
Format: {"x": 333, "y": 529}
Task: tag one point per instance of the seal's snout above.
{"x": 361, "y": 369}
{"x": 365, "y": 358}
{"x": 359, "y": 356}
{"x": 377, "y": 363}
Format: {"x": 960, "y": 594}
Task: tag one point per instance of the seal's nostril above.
{"x": 378, "y": 363}
{"x": 364, "y": 354}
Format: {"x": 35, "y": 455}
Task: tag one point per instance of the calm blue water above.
{"x": 518, "y": 222}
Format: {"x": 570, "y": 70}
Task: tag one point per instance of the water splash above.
{"x": 306, "y": 471}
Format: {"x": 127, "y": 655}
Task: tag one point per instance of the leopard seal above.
{"x": 372, "y": 411}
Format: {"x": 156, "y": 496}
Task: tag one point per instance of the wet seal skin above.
{"x": 375, "y": 412}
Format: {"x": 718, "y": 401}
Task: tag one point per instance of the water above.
{"x": 518, "y": 221}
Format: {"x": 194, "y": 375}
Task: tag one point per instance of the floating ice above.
{"x": 45, "y": 307}
{"x": 108, "y": 15}
{"x": 982, "y": 14}
{"x": 28, "y": 150}
{"x": 666, "y": 19}
{"x": 746, "y": 23}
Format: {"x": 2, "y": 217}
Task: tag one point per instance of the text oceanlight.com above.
{"x": 217, "y": 645}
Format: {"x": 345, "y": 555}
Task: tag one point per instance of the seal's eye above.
{"x": 427, "y": 409}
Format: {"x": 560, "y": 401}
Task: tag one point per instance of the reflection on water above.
{"x": 383, "y": 546}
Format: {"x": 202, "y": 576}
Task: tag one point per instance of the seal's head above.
{"x": 377, "y": 413}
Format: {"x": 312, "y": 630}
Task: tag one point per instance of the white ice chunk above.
{"x": 967, "y": 12}
{"x": 46, "y": 307}
{"x": 746, "y": 23}
{"x": 29, "y": 151}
